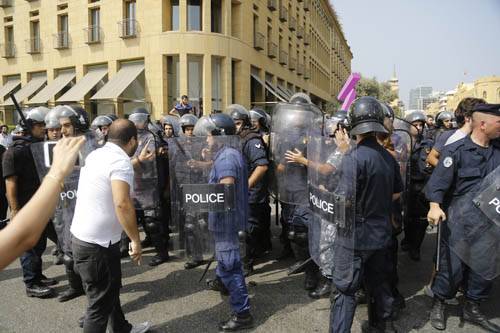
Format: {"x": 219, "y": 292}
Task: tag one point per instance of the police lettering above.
{"x": 496, "y": 203}
{"x": 70, "y": 195}
{"x": 204, "y": 198}
{"x": 321, "y": 204}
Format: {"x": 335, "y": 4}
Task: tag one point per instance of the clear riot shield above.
{"x": 403, "y": 145}
{"x": 474, "y": 227}
{"x": 332, "y": 201}
{"x": 63, "y": 215}
{"x": 203, "y": 208}
{"x": 289, "y": 130}
{"x": 146, "y": 194}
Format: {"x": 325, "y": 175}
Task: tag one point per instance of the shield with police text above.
{"x": 146, "y": 194}
{"x": 63, "y": 215}
{"x": 290, "y": 126}
{"x": 473, "y": 226}
{"x": 332, "y": 202}
{"x": 209, "y": 194}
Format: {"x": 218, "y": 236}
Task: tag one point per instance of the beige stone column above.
{"x": 207, "y": 83}
{"x": 206, "y": 15}
{"x": 183, "y": 80}
{"x": 155, "y": 81}
{"x": 243, "y": 83}
{"x": 113, "y": 68}
{"x": 183, "y": 15}
{"x": 226, "y": 17}
{"x": 227, "y": 97}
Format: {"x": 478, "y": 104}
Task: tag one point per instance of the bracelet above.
{"x": 61, "y": 183}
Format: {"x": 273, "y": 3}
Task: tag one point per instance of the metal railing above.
{"x": 307, "y": 5}
{"x": 5, "y": 3}
{"x": 272, "y": 4}
{"x": 272, "y": 49}
{"x": 61, "y": 40}
{"x": 292, "y": 64}
{"x": 300, "y": 32}
{"x": 92, "y": 34}
{"x": 8, "y": 50}
{"x": 283, "y": 14}
{"x": 307, "y": 39}
{"x": 33, "y": 45}
{"x": 283, "y": 57}
{"x": 258, "y": 41}
{"x": 128, "y": 28}
{"x": 300, "y": 69}
{"x": 292, "y": 23}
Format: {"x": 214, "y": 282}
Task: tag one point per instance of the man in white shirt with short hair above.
{"x": 103, "y": 209}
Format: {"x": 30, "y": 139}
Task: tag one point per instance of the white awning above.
{"x": 268, "y": 88}
{"x": 61, "y": 81}
{"x": 82, "y": 87}
{"x": 283, "y": 90}
{"x": 10, "y": 85}
{"x": 118, "y": 83}
{"x": 29, "y": 89}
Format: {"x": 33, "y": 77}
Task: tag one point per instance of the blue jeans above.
{"x": 31, "y": 261}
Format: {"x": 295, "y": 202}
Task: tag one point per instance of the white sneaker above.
{"x": 140, "y": 328}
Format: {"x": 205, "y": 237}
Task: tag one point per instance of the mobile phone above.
{"x": 48, "y": 150}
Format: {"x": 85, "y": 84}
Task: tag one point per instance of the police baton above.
{"x": 438, "y": 245}
{"x": 23, "y": 118}
{"x": 206, "y": 268}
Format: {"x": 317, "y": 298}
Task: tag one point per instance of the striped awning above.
{"x": 29, "y": 89}
{"x": 118, "y": 83}
{"x": 82, "y": 87}
{"x": 61, "y": 81}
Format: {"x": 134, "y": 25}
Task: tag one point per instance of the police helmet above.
{"x": 140, "y": 117}
{"x": 261, "y": 116}
{"x": 367, "y": 116}
{"x": 52, "y": 118}
{"x": 78, "y": 116}
{"x": 18, "y": 129}
{"x": 416, "y": 116}
{"x": 215, "y": 124}
{"x": 188, "y": 120}
{"x": 442, "y": 116}
{"x": 36, "y": 116}
{"x": 101, "y": 121}
{"x": 112, "y": 116}
{"x": 238, "y": 112}
{"x": 300, "y": 98}
{"x": 388, "y": 111}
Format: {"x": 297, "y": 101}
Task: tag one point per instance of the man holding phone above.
{"x": 103, "y": 209}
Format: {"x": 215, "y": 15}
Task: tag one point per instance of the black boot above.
{"x": 398, "y": 304}
{"x": 382, "y": 326}
{"x": 238, "y": 321}
{"x": 438, "y": 319}
{"x": 217, "y": 285}
{"x": 311, "y": 280}
{"x": 159, "y": 259}
{"x": 473, "y": 315}
{"x": 322, "y": 290}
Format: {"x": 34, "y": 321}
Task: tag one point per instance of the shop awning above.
{"x": 61, "y": 81}
{"x": 118, "y": 83}
{"x": 86, "y": 83}
{"x": 10, "y": 85}
{"x": 283, "y": 90}
{"x": 268, "y": 88}
{"x": 29, "y": 89}
{"x": 283, "y": 96}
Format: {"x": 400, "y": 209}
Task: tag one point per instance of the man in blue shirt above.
{"x": 378, "y": 185}
{"x": 229, "y": 167}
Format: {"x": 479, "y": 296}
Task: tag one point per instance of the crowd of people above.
{"x": 346, "y": 186}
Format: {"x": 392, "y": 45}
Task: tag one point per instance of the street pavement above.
{"x": 171, "y": 298}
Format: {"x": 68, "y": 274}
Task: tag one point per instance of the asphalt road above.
{"x": 172, "y": 300}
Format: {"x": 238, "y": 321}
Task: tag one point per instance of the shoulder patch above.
{"x": 258, "y": 145}
{"x": 448, "y": 162}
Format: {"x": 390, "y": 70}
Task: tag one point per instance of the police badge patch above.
{"x": 448, "y": 162}
{"x": 258, "y": 145}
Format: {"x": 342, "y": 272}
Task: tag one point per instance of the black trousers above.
{"x": 100, "y": 270}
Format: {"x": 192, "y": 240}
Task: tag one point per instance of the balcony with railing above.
{"x": 92, "y": 34}
{"x": 292, "y": 23}
{"x": 307, "y": 73}
{"x": 8, "y": 50}
{"x": 307, "y": 5}
{"x": 292, "y": 65}
{"x": 300, "y": 32}
{"x": 307, "y": 39}
{"x": 283, "y": 57}
{"x": 5, "y": 3}
{"x": 272, "y": 50}
{"x": 61, "y": 40}
{"x": 33, "y": 45}
{"x": 129, "y": 28}
{"x": 272, "y": 4}
{"x": 300, "y": 69}
{"x": 258, "y": 41}
{"x": 283, "y": 14}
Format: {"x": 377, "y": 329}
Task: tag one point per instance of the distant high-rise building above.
{"x": 416, "y": 94}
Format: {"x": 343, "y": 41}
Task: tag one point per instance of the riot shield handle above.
{"x": 23, "y": 118}
{"x": 438, "y": 246}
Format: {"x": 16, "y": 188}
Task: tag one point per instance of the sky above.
{"x": 431, "y": 42}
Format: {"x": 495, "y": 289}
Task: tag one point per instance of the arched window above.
{"x": 485, "y": 95}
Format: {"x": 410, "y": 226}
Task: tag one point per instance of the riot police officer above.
{"x": 378, "y": 184}
{"x": 465, "y": 258}
{"x": 22, "y": 181}
{"x": 52, "y": 124}
{"x": 258, "y": 237}
{"x": 101, "y": 125}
